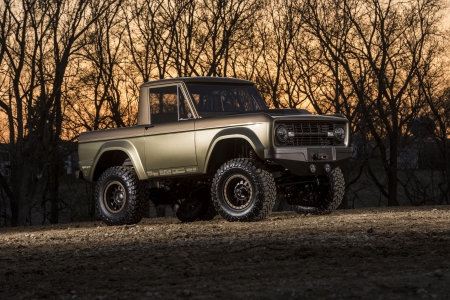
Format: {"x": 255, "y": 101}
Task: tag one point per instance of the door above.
{"x": 170, "y": 138}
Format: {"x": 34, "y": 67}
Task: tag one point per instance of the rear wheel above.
{"x": 243, "y": 190}
{"x": 322, "y": 196}
{"x": 198, "y": 206}
{"x": 120, "y": 196}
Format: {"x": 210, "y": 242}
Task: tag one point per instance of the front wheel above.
{"x": 243, "y": 190}
{"x": 120, "y": 197}
{"x": 321, "y": 197}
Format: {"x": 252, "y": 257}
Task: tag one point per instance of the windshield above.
{"x": 211, "y": 100}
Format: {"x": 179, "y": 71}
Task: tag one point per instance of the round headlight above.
{"x": 339, "y": 134}
{"x": 282, "y": 134}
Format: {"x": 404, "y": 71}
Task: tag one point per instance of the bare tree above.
{"x": 439, "y": 129}
{"x": 72, "y": 65}
{"x": 280, "y": 27}
{"x": 150, "y": 27}
{"x": 101, "y": 102}
{"x": 16, "y": 46}
{"x": 45, "y": 36}
{"x": 206, "y": 31}
{"x": 381, "y": 56}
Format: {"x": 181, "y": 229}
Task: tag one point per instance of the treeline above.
{"x": 70, "y": 66}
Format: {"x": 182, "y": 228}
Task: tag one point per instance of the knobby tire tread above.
{"x": 265, "y": 188}
{"x": 137, "y": 197}
{"x": 333, "y": 199}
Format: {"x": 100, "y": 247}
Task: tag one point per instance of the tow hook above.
{"x": 320, "y": 156}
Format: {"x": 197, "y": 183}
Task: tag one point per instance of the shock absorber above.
{"x": 252, "y": 154}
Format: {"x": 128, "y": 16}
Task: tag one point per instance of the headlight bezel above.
{"x": 339, "y": 133}
{"x": 281, "y": 134}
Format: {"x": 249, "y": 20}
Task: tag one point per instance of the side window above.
{"x": 163, "y": 104}
{"x": 167, "y": 104}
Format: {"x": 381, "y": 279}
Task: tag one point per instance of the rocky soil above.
{"x": 379, "y": 253}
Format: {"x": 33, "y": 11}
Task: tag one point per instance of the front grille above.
{"x": 310, "y": 133}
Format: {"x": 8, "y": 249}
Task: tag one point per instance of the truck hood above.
{"x": 273, "y": 113}
{"x": 285, "y": 112}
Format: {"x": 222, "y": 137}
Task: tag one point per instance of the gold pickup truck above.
{"x": 210, "y": 145}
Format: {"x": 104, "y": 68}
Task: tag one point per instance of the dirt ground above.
{"x": 379, "y": 253}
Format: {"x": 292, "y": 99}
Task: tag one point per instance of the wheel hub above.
{"x": 238, "y": 191}
{"x": 114, "y": 197}
{"x": 118, "y": 197}
{"x": 242, "y": 190}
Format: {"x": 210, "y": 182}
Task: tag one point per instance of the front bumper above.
{"x": 299, "y": 159}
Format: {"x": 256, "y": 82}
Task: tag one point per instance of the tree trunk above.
{"x": 393, "y": 187}
{"x": 392, "y": 172}
{"x": 54, "y": 200}
{"x": 20, "y": 216}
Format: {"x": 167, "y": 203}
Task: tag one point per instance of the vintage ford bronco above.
{"x": 210, "y": 145}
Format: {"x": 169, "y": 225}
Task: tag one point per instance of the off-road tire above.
{"x": 200, "y": 208}
{"x": 332, "y": 198}
{"x": 124, "y": 180}
{"x": 240, "y": 177}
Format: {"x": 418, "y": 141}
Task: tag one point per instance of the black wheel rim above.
{"x": 114, "y": 197}
{"x": 238, "y": 192}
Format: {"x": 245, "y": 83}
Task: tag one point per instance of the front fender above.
{"x": 231, "y": 133}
